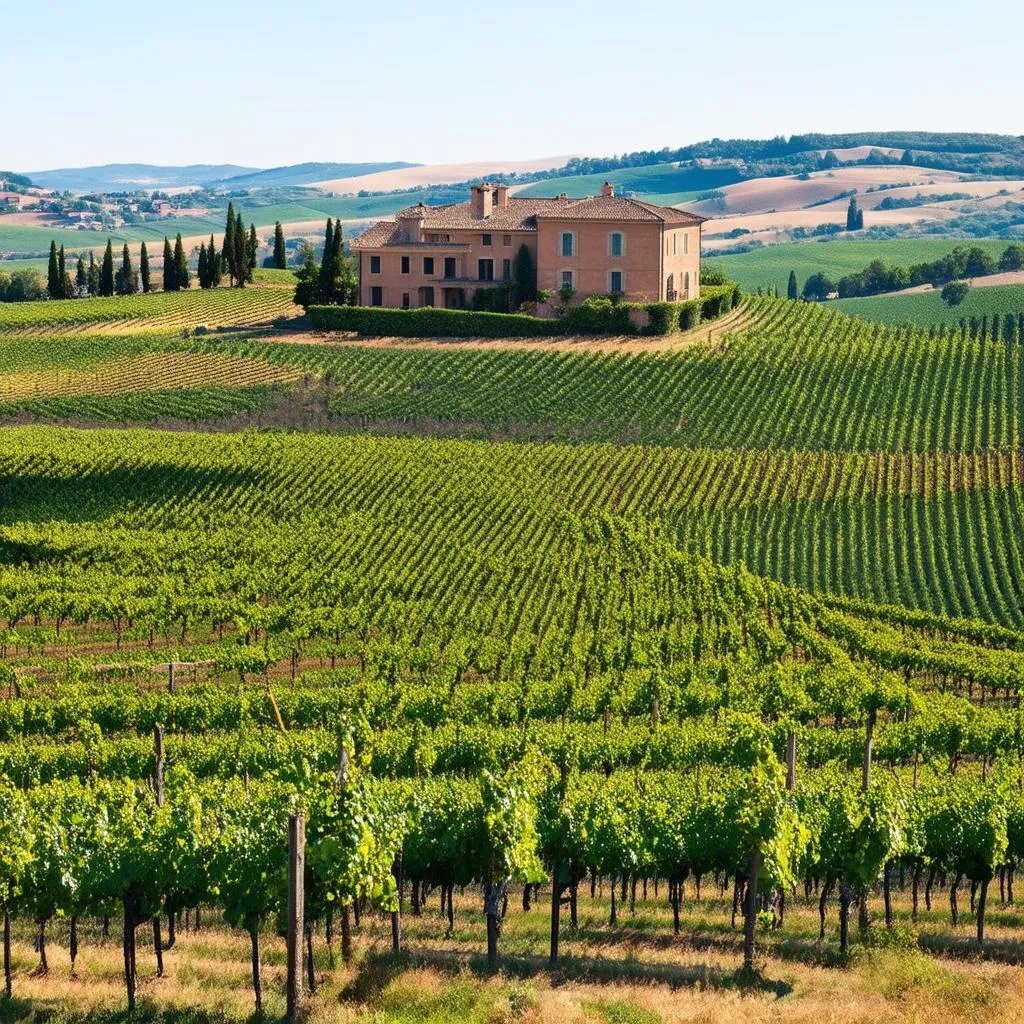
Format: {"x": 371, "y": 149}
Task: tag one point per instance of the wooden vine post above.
{"x": 158, "y": 778}
{"x": 396, "y": 915}
{"x": 345, "y": 911}
{"x": 296, "y": 912}
{"x": 750, "y": 921}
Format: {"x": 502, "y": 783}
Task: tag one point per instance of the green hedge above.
{"x": 716, "y": 300}
{"x": 662, "y": 317}
{"x": 597, "y": 315}
{"x": 689, "y": 314}
{"x": 430, "y": 322}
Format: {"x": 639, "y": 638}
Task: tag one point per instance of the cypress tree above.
{"x": 181, "y": 263}
{"x": 203, "y": 268}
{"x": 54, "y": 280}
{"x": 92, "y": 275}
{"x": 338, "y": 249}
{"x": 851, "y": 214}
{"x": 326, "y": 280}
{"x": 792, "y": 291}
{"x": 344, "y": 283}
{"x": 81, "y": 281}
{"x": 250, "y": 250}
{"x": 107, "y": 271}
{"x": 280, "y": 256}
{"x": 239, "y": 245}
{"x": 215, "y": 263}
{"x": 860, "y": 220}
{"x": 228, "y": 249}
{"x": 126, "y": 275}
{"x": 170, "y": 268}
{"x": 144, "y": 267}
{"x": 65, "y": 281}
{"x": 522, "y": 274}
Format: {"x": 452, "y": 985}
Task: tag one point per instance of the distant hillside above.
{"x": 664, "y": 183}
{"x": 123, "y": 177}
{"x": 306, "y": 174}
{"x": 9, "y": 179}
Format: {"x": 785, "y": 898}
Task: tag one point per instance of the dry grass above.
{"x": 760, "y": 195}
{"x": 636, "y": 972}
{"x": 436, "y": 174}
{"x": 766, "y": 207}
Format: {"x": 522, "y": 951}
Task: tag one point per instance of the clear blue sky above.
{"x": 268, "y": 83}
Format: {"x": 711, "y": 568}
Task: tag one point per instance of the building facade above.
{"x": 598, "y": 245}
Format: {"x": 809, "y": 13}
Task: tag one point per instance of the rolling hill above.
{"x": 128, "y": 177}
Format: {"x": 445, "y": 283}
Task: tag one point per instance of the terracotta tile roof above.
{"x": 620, "y": 208}
{"x": 521, "y": 214}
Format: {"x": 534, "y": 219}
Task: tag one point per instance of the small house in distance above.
{"x": 597, "y": 245}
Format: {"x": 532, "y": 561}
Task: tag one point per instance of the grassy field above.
{"x": 15, "y": 239}
{"x": 632, "y": 973}
{"x": 927, "y": 308}
{"x": 654, "y": 180}
{"x": 770, "y": 266}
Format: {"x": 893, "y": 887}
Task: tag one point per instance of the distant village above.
{"x": 93, "y": 212}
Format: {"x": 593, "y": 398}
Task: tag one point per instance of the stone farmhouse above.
{"x": 598, "y": 245}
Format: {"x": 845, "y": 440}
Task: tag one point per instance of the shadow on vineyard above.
{"x": 104, "y": 491}
{"x": 378, "y": 970}
{"x": 18, "y": 1011}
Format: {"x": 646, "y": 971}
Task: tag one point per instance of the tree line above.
{"x": 236, "y": 259}
{"x": 332, "y": 281}
{"x": 879, "y": 277}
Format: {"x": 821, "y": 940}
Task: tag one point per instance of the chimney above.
{"x": 501, "y": 196}
{"x": 607, "y": 190}
{"x": 482, "y": 197}
{"x": 412, "y": 222}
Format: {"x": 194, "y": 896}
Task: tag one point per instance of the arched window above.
{"x": 686, "y": 285}
{"x": 670, "y": 288}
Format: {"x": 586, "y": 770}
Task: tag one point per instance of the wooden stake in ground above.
{"x": 750, "y": 923}
{"x": 296, "y": 912}
{"x": 396, "y": 915}
{"x": 344, "y": 911}
{"x": 158, "y": 776}
{"x": 556, "y": 908}
{"x": 7, "y": 954}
